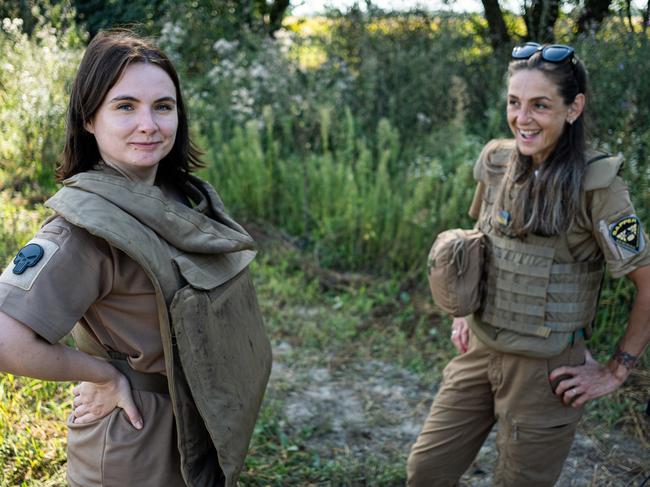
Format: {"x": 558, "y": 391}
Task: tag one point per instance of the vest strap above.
{"x": 577, "y": 267}
{"x": 573, "y": 287}
{"x": 528, "y": 309}
{"x": 517, "y": 246}
{"x": 566, "y": 326}
{"x": 518, "y": 288}
{"x": 141, "y": 381}
{"x": 513, "y": 324}
{"x": 582, "y": 307}
{"x": 516, "y": 268}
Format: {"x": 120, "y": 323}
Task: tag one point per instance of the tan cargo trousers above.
{"x": 480, "y": 388}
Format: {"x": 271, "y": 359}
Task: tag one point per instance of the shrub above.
{"x": 35, "y": 73}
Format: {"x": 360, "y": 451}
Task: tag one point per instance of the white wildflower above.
{"x": 224, "y": 47}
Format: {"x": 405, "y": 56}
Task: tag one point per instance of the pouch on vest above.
{"x": 229, "y": 357}
{"x": 455, "y": 270}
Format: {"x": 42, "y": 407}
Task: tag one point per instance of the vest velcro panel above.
{"x": 530, "y": 294}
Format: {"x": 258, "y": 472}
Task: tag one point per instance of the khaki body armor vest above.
{"x": 217, "y": 355}
{"x": 536, "y": 295}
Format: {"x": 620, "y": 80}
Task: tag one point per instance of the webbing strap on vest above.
{"x": 527, "y": 292}
{"x": 140, "y": 381}
{"x": 514, "y": 287}
{"x": 490, "y": 314}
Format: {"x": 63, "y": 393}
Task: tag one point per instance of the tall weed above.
{"x": 356, "y": 204}
{"x": 35, "y": 73}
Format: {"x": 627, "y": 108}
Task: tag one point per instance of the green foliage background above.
{"x": 355, "y": 134}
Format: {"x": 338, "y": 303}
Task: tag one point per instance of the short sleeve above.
{"x": 618, "y": 229}
{"x": 55, "y": 278}
{"x": 475, "y": 208}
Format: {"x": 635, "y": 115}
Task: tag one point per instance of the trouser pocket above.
{"x": 86, "y": 447}
{"x": 531, "y": 455}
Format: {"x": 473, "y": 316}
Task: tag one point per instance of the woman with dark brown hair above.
{"x": 141, "y": 256}
{"x": 553, "y": 213}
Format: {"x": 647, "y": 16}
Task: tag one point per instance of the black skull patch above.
{"x": 28, "y": 256}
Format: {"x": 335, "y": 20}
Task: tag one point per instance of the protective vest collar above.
{"x": 179, "y": 225}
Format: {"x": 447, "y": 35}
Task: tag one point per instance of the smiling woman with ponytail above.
{"x": 553, "y": 212}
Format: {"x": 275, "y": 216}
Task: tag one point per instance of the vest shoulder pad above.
{"x": 493, "y": 159}
{"x": 601, "y": 170}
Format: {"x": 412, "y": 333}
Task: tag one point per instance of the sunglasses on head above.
{"x": 553, "y": 53}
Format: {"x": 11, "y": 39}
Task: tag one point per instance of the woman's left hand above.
{"x": 581, "y": 383}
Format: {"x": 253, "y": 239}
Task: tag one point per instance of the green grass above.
{"x": 20, "y": 221}
{"x": 279, "y": 457}
{"x": 324, "y": 316}
{"x": 32, "y": 429}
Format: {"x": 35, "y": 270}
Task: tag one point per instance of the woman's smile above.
{"x": 536, "y": 114}
{"x": 135, "y": 127}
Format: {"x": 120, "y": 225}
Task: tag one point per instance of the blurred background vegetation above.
{"x": 354, "y": 132}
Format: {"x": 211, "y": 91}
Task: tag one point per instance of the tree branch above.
{"x": 497, "y": 26}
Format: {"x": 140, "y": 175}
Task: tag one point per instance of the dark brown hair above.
{"x": 548, "y": 202}
{"x": 102, "y": 65}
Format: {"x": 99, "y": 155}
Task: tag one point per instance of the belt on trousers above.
{"x": 140, "y": 381}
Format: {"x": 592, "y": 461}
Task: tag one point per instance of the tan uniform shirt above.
{"x": 87, "y": 280}
{"x": 82, "y": 278}
{"x": 608, "y": 226}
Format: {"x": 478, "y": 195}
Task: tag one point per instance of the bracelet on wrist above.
{"x": 627, "y": 360}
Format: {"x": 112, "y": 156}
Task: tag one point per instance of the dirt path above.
{"x": 375, "y": 408}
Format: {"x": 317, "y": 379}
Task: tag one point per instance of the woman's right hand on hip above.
{"x": 93, "y": 401}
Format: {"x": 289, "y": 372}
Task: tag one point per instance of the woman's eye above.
{"x": 541, "y": 106}
{"x": 513, "y": 102}
{"x": 164, "y": 107}
{"x": 127, "y": 107}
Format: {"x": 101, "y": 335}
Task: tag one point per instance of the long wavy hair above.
{"x": 547, "y": 203}
{"x": 102, "y": 65}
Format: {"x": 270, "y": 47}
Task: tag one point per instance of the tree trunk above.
{"x": 628, "y": 13}
{"x": 540, "y": 19}
{"x": 276, "y": 14}
{"x": 593, "y": 15}
{"x": 497, "y": 26}
{"x": 646, "y": 21}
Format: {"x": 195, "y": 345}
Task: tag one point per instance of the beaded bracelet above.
{"x": 627, "y": 360}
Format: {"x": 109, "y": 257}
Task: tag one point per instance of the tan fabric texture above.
{"x": 109, "y": 452}
{"x": 483, "y": 386}
{"x": 455, "y": 266}
{"x": 586, "y": 240}
{"x": 97, "y": 285}
{"x": 89, "y": 281}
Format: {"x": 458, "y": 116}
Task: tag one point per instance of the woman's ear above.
{"x": 576, "y": 108}
{"x": 89, "y": 127}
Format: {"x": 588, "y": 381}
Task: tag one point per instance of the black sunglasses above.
{"x": 553, "y": 53}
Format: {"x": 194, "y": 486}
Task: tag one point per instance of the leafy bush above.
{"x": 34, "y": 77}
